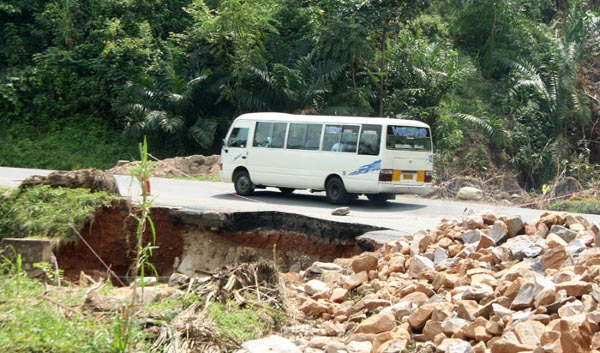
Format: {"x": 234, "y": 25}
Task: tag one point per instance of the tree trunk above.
{"x": 382, "y": 73}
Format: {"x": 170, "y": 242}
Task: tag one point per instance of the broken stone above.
{"x": 506, "y": 346}
{"x": 575, "y": 334}
{"x": 499, "y": 232}
{"x": 341, "y": 211}
{"x": 571, "y": 309}
{"x": 321, "y": 267}
{"x": 529, "y": 332}
{"x": 315, "y": 286}
{"x": 432, "y": 328}
{"x": 554, "y": 258}
{"x": 418, "y": 264}
{"x": 313, "y": 308}
{"x": 467, "y": 309}
{"x": 355, "y": 280}
{"x": 524, "y": 298}
{"x": 178, "y": 279}
{"x": 485, "y": 242}
{"x": 420, "y": 316}
{"x": 364, "y": 262}
{"x": 377, "y": 323}
{"x": 472, "y": 220}
{"x": 339, "y": 295}
{"x": 575, "y": 288}
{"x": 272, "y": 344}
{"x": 471, "y": 236}
{"x": 359, "y": 347}
{"x": 566, "y": 234}
{"x": 554, "y": 240}
{"x": 514, "y": 225}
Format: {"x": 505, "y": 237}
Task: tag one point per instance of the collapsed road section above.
{"x": 193, "y": 242}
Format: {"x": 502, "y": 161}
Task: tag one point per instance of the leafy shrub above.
{"x": 590, "y": 205}
{"x": 44, "y": 211}
{"x": 77, "y": 144}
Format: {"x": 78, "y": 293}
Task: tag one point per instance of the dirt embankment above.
{"x": 112, "y": 236}
{"x": 191, "y": 165}
{"x": 189, "y": 242}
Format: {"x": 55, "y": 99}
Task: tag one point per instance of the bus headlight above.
{"x": 428, "y": 176}
{"x": 385, "y": 174}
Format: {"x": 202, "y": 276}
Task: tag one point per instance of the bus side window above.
{"x": 331, "y": 140}
{"x": 269, "y": 135}
{"x": 370, "y": 140}
{"x": 349, "y": 138}
{"x": 278, "y": 135}
{"x": 296, "y": 136}
{"x": 313, "y": 137}
{"x": 238, "y": 137}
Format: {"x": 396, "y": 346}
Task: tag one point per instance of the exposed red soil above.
{"x": 112, "y": 235}
{"x": 289, "y": 241}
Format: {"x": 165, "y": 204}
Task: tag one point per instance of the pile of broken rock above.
{"x": 479, "y": 284}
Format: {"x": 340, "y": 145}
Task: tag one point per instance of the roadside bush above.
{"x": 590, "y": 205}
{"x": 43, "y": 211}
{"x": 66, "y": 146}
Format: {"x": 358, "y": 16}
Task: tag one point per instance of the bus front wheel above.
{"x": 336, "y": 192}
{"x": 242, "y": 183}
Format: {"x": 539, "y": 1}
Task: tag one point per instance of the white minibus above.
{"x": 344, "y": 156}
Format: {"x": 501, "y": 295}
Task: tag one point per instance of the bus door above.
{"x": 235, "y": 148}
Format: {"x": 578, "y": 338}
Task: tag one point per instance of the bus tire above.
{"x": 336, "y": 192}
{"x": 287, "y": 191}
{"x": 242, "y": 183}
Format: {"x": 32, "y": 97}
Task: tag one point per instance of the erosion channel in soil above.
{"x": 193, "y": 242}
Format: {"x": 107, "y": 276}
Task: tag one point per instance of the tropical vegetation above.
{"x": 502, "y": 83}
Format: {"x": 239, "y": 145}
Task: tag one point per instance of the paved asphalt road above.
{"x": 406, "y": 214}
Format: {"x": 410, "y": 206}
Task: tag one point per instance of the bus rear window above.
{"x": 408, "y": 138}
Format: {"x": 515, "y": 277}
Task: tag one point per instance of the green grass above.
{"x": 244, "y": 324}
{"x": 29, "y": 323}
{"x": 47, "y": 212}
{"x": 168, "y": 308}
{"x": 208, "y": 178}
{"x": 196, "y": 177}
{"x": 590, "y": 205}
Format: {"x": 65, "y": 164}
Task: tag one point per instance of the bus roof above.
{"x": 328, "y": 119}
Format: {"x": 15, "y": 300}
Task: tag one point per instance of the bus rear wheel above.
{"x": 242, "y": 183}
{"x": 287, "y": 191}
{"x": 336, "y": 192}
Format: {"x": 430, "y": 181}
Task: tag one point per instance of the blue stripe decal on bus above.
{"x": 367, "y": 168}
{"x": 236, "y": 157}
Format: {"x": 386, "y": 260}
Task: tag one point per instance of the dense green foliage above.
{"x": 82, "y": 80}
{"x": 43, "y": 211}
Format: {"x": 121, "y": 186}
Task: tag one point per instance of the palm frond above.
{"x": 203, "y": 131}
{"x": 495, "y": 134}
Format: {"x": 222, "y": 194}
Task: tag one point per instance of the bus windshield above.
{"x": 408, "y": 138}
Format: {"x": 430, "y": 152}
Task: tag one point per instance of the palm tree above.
{"x": 166, "y": 103}
{"x": 556, "y": 90}
{"x": 301, "y": 88}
